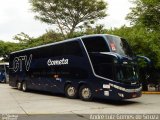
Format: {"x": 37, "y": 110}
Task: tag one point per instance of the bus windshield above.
{"x": 126, "y": 73}
{"x": 119, "y": 45}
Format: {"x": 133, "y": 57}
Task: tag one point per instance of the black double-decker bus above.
{"x": 90, "y": 66}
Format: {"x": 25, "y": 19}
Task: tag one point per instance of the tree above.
{"x": 23, "y": 38}
{"x": 68, "y": 14}
{"x": 98, "y": 29}
{"x": 7, "y": 47}
{"x": 146, "y": 13}
{"x": 49, "y": 37}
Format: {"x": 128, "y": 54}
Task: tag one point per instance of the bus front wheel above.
{"x": 24, "y": 86}
{"x": 85, "y": 93}
{"x": 70, "y": 91}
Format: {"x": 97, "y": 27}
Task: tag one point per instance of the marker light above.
{"x": 56, "y": 76}
{"x": 121, "y": 95}
{"x": 125, "y": 62}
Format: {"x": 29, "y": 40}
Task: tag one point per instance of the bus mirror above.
{"x": 146, "y": 59}
{"x": 145, "y": 69}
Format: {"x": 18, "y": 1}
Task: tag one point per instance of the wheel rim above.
{"x": 24, "y": 86}
{"x": 71, "y": 91}
{"x": 86, "y": 93}
{"x": 3, "y": 80}
{"x": 19, "y": 85}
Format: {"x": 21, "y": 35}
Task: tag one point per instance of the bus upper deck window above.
{"x": 119, "y": 45}
{"x": 95, "y": 44}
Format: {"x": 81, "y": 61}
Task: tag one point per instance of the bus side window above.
{"x": 67, "y": 48}
{"x": 73, "y": 48}
{"x": 96, "y": 44}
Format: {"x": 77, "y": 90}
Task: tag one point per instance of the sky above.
{"x": 16, "y": 17}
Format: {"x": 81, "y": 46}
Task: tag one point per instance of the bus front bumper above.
{"x": 118, "y": 93}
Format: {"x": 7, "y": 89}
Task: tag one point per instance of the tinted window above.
{"x": 102, "y": 65}
{"x": 119, "y": 45}
{"x": 96, "y": 44}
{"x": 72, "y": 48}
{"x": 126, "y": 73}
{"x": 66, "y": 48}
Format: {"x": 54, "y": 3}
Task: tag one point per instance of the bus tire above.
{"x": 4, "y": 80}
{"x": 85, "y": 93}
{"x": 70, "y": 91}
{"x": 24, "y": 86}
{"x": 19, "y": 85}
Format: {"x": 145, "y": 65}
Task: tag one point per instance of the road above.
{"x": 13, "y": 101}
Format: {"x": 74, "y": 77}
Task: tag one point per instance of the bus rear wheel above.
{"x": 70, "y": 91}
{"x": 4, "y": 81}
{"x": 19, "y": 85}
{"x": 24, "y": 86}
{"x": 85, "y": 93}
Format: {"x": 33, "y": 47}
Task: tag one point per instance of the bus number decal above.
{"x": 18, "y": 63}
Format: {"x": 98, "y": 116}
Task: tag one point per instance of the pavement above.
{"x": 151, "y": 92}
{"x": 35, "y": 105}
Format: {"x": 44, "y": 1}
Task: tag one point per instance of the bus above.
{"x": 4, "y": 69}
{"x": 100, "y": 65}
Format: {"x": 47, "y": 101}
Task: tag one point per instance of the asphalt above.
{"x": 150, "y": 92}
{"x": 35, "y": 105}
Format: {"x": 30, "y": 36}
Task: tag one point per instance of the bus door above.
{"x": 4, "y": 73}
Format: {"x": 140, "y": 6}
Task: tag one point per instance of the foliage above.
{"x": 146, "y": 13}
{"x": 68, "y": 14}
{"x": 7, "y": 47}
{"x": 23, "y": 38}
{"x": 98, "y": 29}
{"x": 49, "y": 37}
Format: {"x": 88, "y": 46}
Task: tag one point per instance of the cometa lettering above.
{"x": 57, "y": 62}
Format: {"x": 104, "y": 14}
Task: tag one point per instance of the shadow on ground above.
{"x": 95, "y": 100}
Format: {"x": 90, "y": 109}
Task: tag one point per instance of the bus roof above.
{"x": 63, "y": 41}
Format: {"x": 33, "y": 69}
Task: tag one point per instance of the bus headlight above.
{"x": 115, "y": 60}
{"x": 106, "y": 93}
{"x": 107, "y": 86}
{"x": 121, "y": 95}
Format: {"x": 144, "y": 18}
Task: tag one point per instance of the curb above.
{"x": 150, "y": 92}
